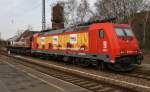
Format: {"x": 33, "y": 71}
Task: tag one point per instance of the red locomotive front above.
{"x": 118, "y": 42}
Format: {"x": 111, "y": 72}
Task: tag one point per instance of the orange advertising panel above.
{"x": 76, "y": 41}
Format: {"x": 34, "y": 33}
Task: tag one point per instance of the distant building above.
{"x": 58, "y": 17}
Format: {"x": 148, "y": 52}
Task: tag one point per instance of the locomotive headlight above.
{"x": 139, "y": 51}
{"x": 122, "y": 52}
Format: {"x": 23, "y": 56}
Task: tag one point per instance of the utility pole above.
{"x": 43, "y": 16}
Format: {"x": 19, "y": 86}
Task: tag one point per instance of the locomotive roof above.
{"x": 70, "y": 29}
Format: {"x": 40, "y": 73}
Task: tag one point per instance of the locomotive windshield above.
{"x": 128, "y": 32}
{"x": 122, "y": 32}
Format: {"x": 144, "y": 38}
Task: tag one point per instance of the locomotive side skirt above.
{"x": 102, "y": 57}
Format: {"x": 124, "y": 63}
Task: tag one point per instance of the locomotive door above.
{"x": 102, "y": 45}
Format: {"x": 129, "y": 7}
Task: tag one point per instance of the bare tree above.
{"x": 118, "y": 8}
{"x": 146, "y": 7}
{"x": 83, "y": 10}
{"x": 76, "y": 12}
{"x": 70, "y": 15}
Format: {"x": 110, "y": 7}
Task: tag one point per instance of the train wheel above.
{"x": 101, "y": 65}
{"x": 121, "y": 68}
{"x": 68, "y": 60}
{"x": 124, "y": 65}
{"x": 83, "y": 62}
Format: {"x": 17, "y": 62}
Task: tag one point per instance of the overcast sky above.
{"x": 18, "y": 14}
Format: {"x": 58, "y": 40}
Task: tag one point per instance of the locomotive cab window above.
{"x": 123, "y": 32}
{"x": 102, "y": 33}
{"x": 120, "y": 32}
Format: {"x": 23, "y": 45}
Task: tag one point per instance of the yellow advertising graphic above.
{"x": 76, "y": 41}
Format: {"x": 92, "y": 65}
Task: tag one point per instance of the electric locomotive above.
{"x": 100, "y": 44}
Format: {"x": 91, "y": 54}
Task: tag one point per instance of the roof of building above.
{"x": 14, "y": 38}
{"x": 26, "y": 33}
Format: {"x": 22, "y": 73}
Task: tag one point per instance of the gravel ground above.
{"x": 146, "y": 58}
{"x": 101, "y": 73}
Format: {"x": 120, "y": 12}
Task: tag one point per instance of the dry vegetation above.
{"x": 141, "y": 29}
{"x": 2, "y": 44}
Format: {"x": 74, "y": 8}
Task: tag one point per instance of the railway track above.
{"x": 142, "y": 74}
{"x": 92, "y": 85}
